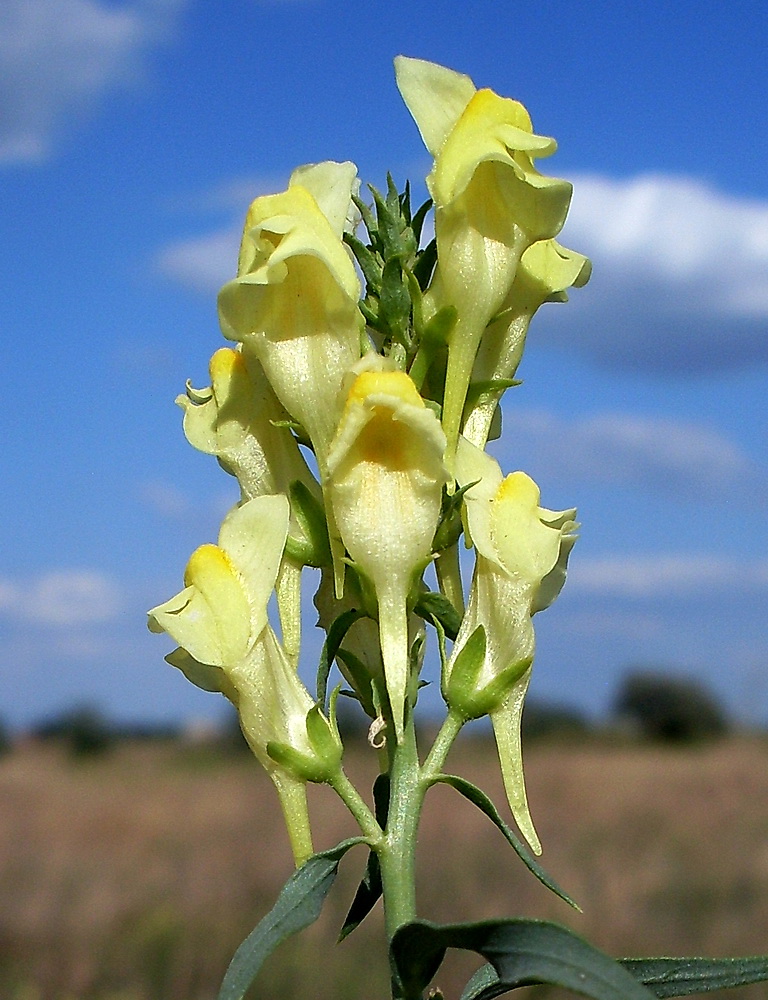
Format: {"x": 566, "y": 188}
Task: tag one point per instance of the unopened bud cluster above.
{"x": 355, "y": 422}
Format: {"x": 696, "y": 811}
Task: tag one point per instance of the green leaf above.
{"x": 431, "y": 604}
{"x": 676, "y": 977}
{"x": 370, "y": 888}
{"x": 478, "y": 798}
{"x": 333, "y": 640}
{"x": 418, "y": 219}
{"x": 369, "y": 263}
{"x": 297, "y": 906}
{"x": 309, "y": 513}
{"x": 522, "y": 952}
{"x": 483, "y": 979}
{"x": 425, "y": 264}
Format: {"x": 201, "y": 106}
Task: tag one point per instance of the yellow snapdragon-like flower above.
{"x": 240, "y": 421}
{"x": 294, "y": 302}
{"x": 386, "y": 474}
{"x": 522, "y": 551}
{"x": 545, "y": 272}
{"x": 491, "y": 203}
{"x": 226, "y": 644}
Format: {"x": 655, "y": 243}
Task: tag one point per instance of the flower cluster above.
{"x": 355, "y": 423}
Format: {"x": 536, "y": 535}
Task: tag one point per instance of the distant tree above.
{"x": 544, "y": 721}
{"x": 5, "y": 738}
{"x": 671, "y": 709}
{"x": 83, "y": 730}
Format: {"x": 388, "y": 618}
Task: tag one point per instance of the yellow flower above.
{"x": 237, "y": 419}
{"x": 491, "y": 203}
{"x": 545, "y": 271}
{"x": 294, "y": 302}
{"x": 240, "y": 421}
{"x": 226, "y": 644}
{"x": 522, "y": 552}
{"x": 386, "y": 473}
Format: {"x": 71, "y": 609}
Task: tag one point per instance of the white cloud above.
{"x": 673, "y": 456}
{"x": 204, "y": 263}
{"x": 668, "y": 575}
{"x": 680, "y": 277}
{"x": 59, "y": 57}
{"x": 61, "y": 598}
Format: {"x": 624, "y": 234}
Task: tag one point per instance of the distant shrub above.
{"x": 670, "y": 709}
{"x": 542, "y": 721}
{"x": 5, "y": 738}
{"x": 83, "y": 730}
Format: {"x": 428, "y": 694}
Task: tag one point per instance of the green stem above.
{"x": 449, "y": 576}
{"x": 397, "y": 855}
{"x": 449, "y": 730}
{"x": 354, "y": 801}
{"x": 293, "y": 800}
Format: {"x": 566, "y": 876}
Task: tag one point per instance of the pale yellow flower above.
{"x": 522, "y": 551}
{"x": 386, "y": 474}
{"x": 294, "y": 302}
{"x": 226, "y": 644}
{"x": 491, "y": 203}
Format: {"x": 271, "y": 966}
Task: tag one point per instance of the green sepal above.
{"x": 370, "y": 889}
{"x": 335, "y": 636}
{"x": 298, "y": 905}
{"x": 462, "y": 691}
{"x": 478, "y": 798}
{"x": 300, "y": 765}
{"x": 450, "y": 525}
{"x": 484, "y": 700}
{"x": 466, "y": 669}
{"x": 522, "y": 952}
{"x": 432, "y": 605}
{"x": 677, "y": 977}
{"x": 315, "y": 548}
{"x": 324, "y": 736}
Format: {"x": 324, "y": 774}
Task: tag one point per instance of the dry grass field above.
{"x": 134, "y": 876}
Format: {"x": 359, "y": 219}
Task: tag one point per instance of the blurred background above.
{"x": 133, "y": 135}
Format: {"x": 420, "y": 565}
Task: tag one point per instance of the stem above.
{"x": 449, "y": 730}
{"x": 397, "y": 853}
{"x": 449, "y": 576}
{"x": 293, "y": 800}
{"x": 354, "y": 801}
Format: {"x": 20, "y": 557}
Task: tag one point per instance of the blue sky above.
{"x": 133, "y": 136}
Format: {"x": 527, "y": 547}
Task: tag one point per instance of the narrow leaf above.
{"x": 478, "y": 798}
{"x": 297, "y": 906}
{"x": 339, "y": 628}
{"x": 370, "y": 888}
{"x": 432, "y": 604}
{"x": 676, "y": 977}
{"x": 522, "y": 952}
{"x": 483, "y": 979}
